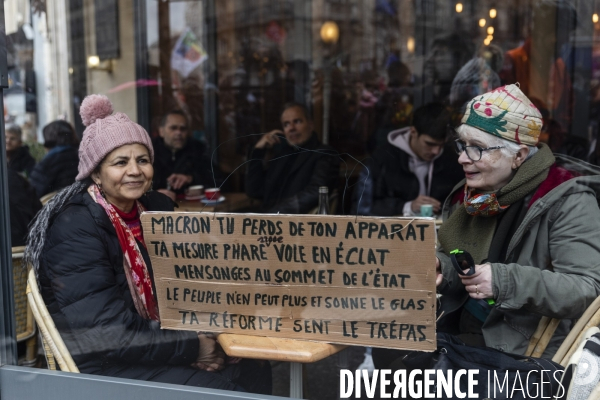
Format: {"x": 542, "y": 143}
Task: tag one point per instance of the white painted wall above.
{"x": 123, "y": 68}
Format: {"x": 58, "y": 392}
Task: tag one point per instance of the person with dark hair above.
{"x": 19, "y": 158}
{"x": 181, "y": 161}
{"x": 23, "y": 205}
{"x": 58, "y": 168}
{"x": 410, "y": 170}
{"x": 286, "y": 168}
{"x": 95, "y": 275}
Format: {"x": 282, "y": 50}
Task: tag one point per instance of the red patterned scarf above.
{"x": 472, "y": 227}
{"x": 138, "y": 278}
{"x": 482, "y": 204}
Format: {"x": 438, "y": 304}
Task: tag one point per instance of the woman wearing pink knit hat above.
{"x": 87, "y": 248}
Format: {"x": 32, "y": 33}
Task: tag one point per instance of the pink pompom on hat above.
{"x": 105, "y": 132}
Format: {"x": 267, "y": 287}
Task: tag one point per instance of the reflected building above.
{"x": 231, "y": 64}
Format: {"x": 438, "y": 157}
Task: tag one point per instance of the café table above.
{"x": 258, "y": 347}
{"x": 294, "y": 351}
{"x": 234, "y": 202}
{"x": 278, "y": 349}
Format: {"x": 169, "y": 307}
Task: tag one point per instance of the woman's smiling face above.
{"x": 125, "y": 175}
{"x": 495, "y": 169}
{"x": 489, "y": 174}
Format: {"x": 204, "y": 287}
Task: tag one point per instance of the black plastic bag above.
{"x": 500, "y": 375}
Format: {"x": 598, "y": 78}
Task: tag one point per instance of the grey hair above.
{"x": 38, "y": 229}
{"x": 15, "y": 130}
{"x": 509, "y": 148}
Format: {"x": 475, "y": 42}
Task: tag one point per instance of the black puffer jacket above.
{"x": 23, "y": 204}
{"x": 55, "y": 171}
{"x": 22, "y": 161}
{"x": 393, "y": 183}
{"x": 84, "y": 286}
{"x": 191, "y": 160}
{"x": 289, "y": 182}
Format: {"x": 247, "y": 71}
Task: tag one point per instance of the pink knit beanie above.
{"x": 105, "y": 132}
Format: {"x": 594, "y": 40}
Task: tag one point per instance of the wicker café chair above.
{"x": 26, "y": 329}
{"x": 569, "y": 353}
{"x": 54, "y": 347}
{"x": 547, "y": 326}
{"x": 589, "y": 319}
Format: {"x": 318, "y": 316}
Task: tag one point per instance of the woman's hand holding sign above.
{"x": 211, "y": 357}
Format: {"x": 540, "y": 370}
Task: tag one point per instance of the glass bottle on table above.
{"x": 323, "y": 201}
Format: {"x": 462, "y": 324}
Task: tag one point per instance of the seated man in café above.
{"x": 19, "y": 158}
{"x": 412, "y": 169}
{"x": 23, "y": 205}
{"x": 58, "y": 168}
{"x": 180, "y": 160}
{"x": 286, "y": 168}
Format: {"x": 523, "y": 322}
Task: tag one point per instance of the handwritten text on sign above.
{"x": 338, "y": 279}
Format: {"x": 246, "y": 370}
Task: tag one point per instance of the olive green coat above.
{"x": 553, "y": 267}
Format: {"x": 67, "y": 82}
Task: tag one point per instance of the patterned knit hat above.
{"x": 507, "y": 113}
{"x": 105, "y": 132}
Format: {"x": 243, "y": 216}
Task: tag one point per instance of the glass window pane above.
{"x": 362, "y": 69}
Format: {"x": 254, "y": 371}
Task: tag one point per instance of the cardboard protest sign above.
{"x": 338, "y": 279}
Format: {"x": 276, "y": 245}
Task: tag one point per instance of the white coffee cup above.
{"x": 195, "y": 191}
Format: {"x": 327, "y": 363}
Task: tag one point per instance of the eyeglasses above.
{"x": 473, "y": 152}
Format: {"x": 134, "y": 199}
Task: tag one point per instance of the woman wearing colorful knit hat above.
{"x": 95, "y": 275}
{"x": 528, "y": 218}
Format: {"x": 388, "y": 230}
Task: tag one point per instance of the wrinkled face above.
{"x": 175, "y": 133}
{"x": 13, "y": 142}
{"x": 296, "y": 127}
{"x": 125, "y": 175}
{"x": 491, "y": 173}
{"x": 424, "y": 146}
